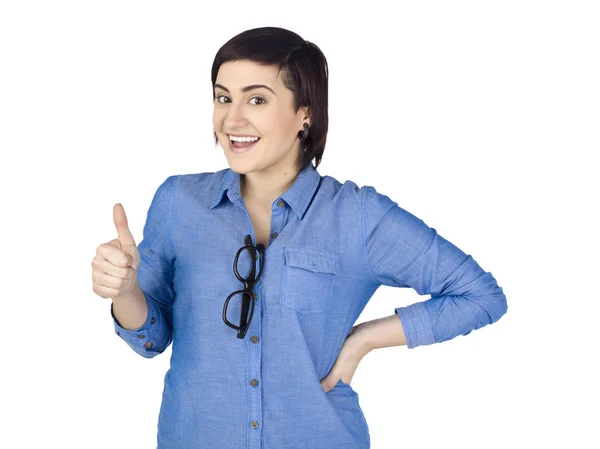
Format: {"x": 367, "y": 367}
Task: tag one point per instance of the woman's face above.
{"x": 252, "y": 101}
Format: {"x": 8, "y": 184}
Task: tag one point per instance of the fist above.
{"x": 114, "y": 267}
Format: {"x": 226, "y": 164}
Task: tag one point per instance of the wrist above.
{"x": 361, "y": 339}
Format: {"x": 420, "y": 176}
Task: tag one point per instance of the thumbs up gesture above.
{"x": 114, "y": 267}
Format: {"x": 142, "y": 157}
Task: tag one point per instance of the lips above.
{"x": 241, "y": 147}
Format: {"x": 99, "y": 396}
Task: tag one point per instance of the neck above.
{"x": 264, "y": 188}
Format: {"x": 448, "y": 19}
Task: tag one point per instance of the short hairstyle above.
{"x": 305, "y": 73}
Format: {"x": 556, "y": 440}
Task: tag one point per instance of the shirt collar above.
{"x": 298, "y": 196}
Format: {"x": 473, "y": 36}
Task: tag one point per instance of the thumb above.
{"x": 120, "y": 219}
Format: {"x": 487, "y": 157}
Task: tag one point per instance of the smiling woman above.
{"x": 291, "y": 256}
{"x": 270, "y": 84}
{"x": 258, "y": 117}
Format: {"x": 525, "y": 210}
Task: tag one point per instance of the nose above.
{"x": 236, "y": 116}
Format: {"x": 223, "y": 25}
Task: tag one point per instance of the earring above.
{"x": 303, "y": 135}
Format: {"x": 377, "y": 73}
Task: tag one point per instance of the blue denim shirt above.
{"x": 331, "y": 246}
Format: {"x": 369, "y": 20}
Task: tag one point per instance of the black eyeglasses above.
{"x": 248, "y": 296}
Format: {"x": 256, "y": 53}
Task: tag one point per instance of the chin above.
{"x": 240, "y": 171}
{"x": 239, "y": 166}
{"x": 243, "y": 163}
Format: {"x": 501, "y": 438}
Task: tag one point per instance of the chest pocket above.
{"x": 308, "y": 279}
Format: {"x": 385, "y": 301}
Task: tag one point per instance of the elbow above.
{"x": 489, "y": 302}
{"x": 499, "y": 304}
{"x": 492, "y": 307}
{"x": 463, "y": 314}
{"x": 498, "y": 307}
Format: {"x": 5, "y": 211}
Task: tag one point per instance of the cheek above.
{"x": 272, "y": 125}
{"x": 217, "y": 120}
{"x": 219, "y": 114}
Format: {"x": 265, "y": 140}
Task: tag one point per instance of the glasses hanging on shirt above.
{"x": 246, "y": 296}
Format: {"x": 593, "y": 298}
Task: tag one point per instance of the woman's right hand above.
{"x": 114, "y": 267}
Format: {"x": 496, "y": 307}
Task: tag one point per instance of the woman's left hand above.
{"x": 352, "y": 352}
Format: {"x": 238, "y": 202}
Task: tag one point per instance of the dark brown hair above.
{"x": 305, "y": 73}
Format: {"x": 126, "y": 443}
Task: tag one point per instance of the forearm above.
{"x": 131, "y": 312}
{"x": 382, "y": 333}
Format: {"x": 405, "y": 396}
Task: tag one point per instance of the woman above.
{"x": 257, "y": 273}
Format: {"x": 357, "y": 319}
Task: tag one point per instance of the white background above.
{"x": 481, "y": 118}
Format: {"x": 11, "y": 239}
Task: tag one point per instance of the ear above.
{"x": 306, "y": 115}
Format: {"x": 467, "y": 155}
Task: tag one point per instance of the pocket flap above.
{"x": 312, "y": 260}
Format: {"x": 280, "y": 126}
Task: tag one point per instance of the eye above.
{"x": 260, "y": 99}
{"x": 221, "y": 98}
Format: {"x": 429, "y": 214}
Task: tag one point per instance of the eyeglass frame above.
{"x": 249, "y": 284}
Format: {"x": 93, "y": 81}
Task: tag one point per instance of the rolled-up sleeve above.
{"x": 403, "y": 251}
{"x": 155, "y": 277}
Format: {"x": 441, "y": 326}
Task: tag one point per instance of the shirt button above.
{"x": 140, "y": 336}
{"x": 153, "y": 320}
{"x": 254, "y": 382}
{"x": 148, "y": 345}
{"x": 254, "y": 339}
{"x": 254, "y": 424}
{"x": 274, "y": 235}
{"x": 280, "y": 203}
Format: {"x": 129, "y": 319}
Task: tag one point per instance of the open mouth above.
{"x": 241, "y": 144}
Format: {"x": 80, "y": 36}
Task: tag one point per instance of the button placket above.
{"x": 278, "y": 218}
{"x": 255, "y": 397}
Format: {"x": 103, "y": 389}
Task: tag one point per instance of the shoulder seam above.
{"x": 364, "y": 230}
{"x": 167, "y": 234}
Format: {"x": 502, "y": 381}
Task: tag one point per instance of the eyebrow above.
{"x": 248, "y": 88}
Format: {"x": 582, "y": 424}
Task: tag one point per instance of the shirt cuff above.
{"x": 142, "y": 340}
{"x": 418, "y": 328}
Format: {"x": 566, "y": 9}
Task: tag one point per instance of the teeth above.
{"x": 243, "y": 139}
